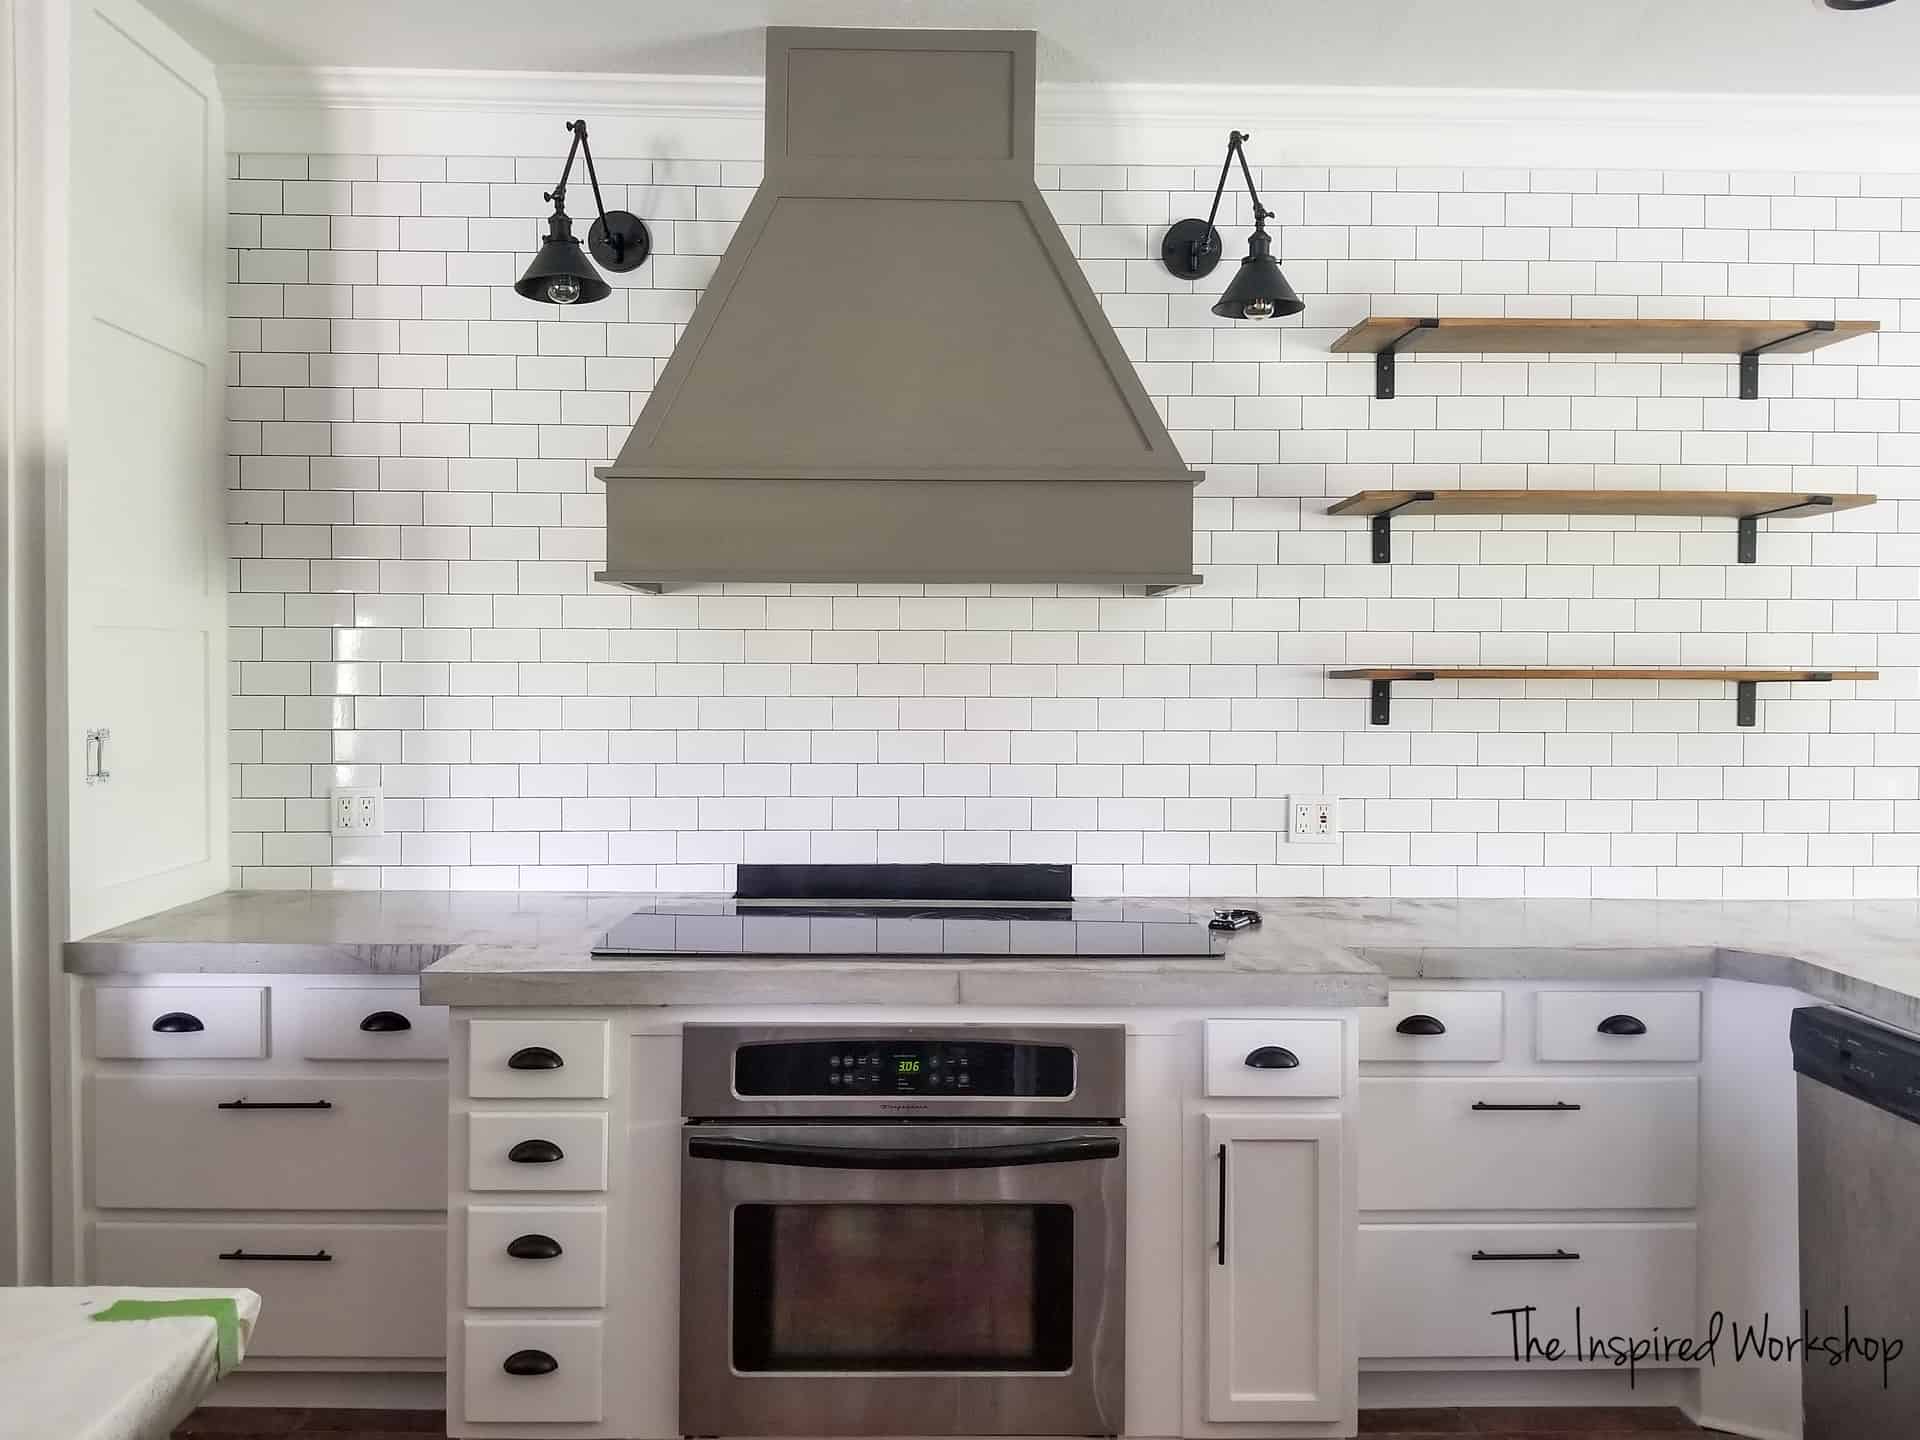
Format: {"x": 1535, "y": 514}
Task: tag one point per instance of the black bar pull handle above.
{"x": 1421, "y": 1025}
{"x": 534, "y": 1247}
{"x": 318, "y": 1257}
{"x": 386, "y": 1022}
{"x": 1622, "y": 1025}
{"x": 1557, "y": 1105}
{"x": 1220, "y": 1244}
{"x": 1525, "y": 1255}
{"x": 889, "y": 1157}
{"x": 535, "y": 1057}
{"x": 178, "y": 1022}
{"x": 1273, "y": 1057}
{"x": 536, "y": 1152}
{"x": 245, "y": 1104}
{"x": 530, "y": 1362}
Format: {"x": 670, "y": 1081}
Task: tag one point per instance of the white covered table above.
{"x": 65, "y": 1376}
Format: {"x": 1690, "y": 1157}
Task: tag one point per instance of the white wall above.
{"x": 416, "y": 522}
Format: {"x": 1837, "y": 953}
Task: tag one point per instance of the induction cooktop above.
{"x": 909, "y": 930}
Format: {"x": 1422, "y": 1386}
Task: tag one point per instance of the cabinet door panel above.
{"x": 1274, "y": 1332}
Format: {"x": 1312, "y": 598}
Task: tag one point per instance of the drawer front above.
{"x": 194, "y": 1023}
{"x": 1436, "y": 1025}
{"x": 511, "y": 1259}
{"x": 379, "y": 1294}
{"x": 166, "y": 1143}
{"x": 513, "y": 1059}
{"x": 494, "y": 1138}
{"x": 569, "y": 1393}
{"x": 370, "y": 1023}
{"x": 1425, "y": 1295}
{"x": 1618, "y": 1025}
{"x": 1236, "y": 1049}
{"x": 1630, "y": 1144}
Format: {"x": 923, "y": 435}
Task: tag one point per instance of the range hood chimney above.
{"x": 899, "y": 373}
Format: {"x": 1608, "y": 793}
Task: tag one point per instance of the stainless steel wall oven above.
{"x": 903, "y": 1231}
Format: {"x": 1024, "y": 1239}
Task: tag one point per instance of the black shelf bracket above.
{"x": 1380, "y": 697}
{"x": 1382, "y": 523}
{"x": 1749, "y": 541}
{"x": 1383, "y": 361}
{"x": 1746, "y": 702}
{"x": 1750, "y": 359}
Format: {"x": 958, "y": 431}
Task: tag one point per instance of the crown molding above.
{"x": 389, "y": 111}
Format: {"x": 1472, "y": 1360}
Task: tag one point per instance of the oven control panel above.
{"x": 881, "y": 1066}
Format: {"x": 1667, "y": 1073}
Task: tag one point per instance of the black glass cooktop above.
{"x": 912, "y": 930}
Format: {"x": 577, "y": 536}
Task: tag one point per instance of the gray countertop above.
{"x": 503, "y": 949}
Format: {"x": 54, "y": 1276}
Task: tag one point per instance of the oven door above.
{"x": 903, "y": 1279}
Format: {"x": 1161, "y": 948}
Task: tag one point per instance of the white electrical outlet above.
{"x": 1314, "y": 819}
{"x": 355, "y": 810}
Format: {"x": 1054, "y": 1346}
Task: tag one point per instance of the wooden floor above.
{"x": 1515, "y": 1424}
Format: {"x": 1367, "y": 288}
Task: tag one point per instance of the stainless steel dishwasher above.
{"x": 1859, "y": 1106}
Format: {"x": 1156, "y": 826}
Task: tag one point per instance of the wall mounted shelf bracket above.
{"x": 1747, "y": 550}
{"x": 1380, "y": 698}
{"x": 1383, "y": 362}
{"x": 1750, "y": 359}
{"x": 1382, "y": 523}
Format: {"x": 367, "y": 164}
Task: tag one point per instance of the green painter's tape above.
{"x": 224, "y": 1313}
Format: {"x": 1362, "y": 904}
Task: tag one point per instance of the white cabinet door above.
{"x": 1274, "y": 1347}
{"x": 137, "y": 558}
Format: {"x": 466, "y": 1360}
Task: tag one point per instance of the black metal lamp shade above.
{"x": 561, "y": 274}
{"x": 1258, "y": 290}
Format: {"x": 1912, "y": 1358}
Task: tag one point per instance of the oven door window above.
{"x": 903, "y": 1287}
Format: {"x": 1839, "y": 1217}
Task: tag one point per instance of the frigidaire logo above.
{"x": 889, "y": 1105}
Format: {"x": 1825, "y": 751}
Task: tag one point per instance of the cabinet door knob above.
{"x": 178, "y": 1022}
{"x": 385, "y": 1022}
{"x": 1273, "y": 1057}
{"x": 1622, "y": 1025}
{"x": 536, "y": 1152}
{"x": 534, "y": 1247}
{"x": 1421, "y": 1025}
{"x": 535, "y": 1057}
{"x": 530, "y": 1362}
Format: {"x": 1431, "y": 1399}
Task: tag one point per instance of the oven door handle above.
{"x": 851, "y": 1157}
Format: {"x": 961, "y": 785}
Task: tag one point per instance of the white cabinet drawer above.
{"x": 1618, "y": 1025}
{"x": 180, "y": 1143}
{"x": 168, "y": 1022}
{"x": 536, "y": 1257}
{"x": 379, "y": 1294}
{"x": 370, "y": 1023}
{"x": 1429, "y": 1291}
{"x": 1274, "y": 1057}
{"x": 494, "y": 1140}
{"x": 1535, "y": 1144}
{"x": 569, "y": 1392}
{"x": 537, "y": 1059}
{"x": 1435, "y": 1025}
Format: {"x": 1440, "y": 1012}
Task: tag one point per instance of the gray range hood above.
{"x": 899, "y": 372}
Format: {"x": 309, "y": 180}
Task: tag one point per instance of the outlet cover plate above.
{"x": 1313, "y": 820}
{"x": 356, "y": 810}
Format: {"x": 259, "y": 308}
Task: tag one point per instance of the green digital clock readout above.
{"x": 906, "y": 1064}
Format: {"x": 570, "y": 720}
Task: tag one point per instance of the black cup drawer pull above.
{"x": 386, "y": 1022}
{"x": 1526, "y": 1255}
{"x": 245, "y": 1104}
{"x": 536, "y": 1152}
{"x": 318, "y": 1257}
{"x": 1556, "y": 1105}
{"x": 1421, "y": 1025}
{"x": 1273, "y": 1057}
{"x": 530, "y": 1362}
{"x": 1622, "y": 1025}
{"x": 178, "y": 1022}
{"x": 534, "y": 1247}
{"x": 535, "y": 1057}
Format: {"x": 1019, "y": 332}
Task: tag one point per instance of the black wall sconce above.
{"x": 1192, "y": 248}
{"x": 561, "y": 274}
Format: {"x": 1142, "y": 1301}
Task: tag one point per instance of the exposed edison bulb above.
{"x": 1261, "y": 309}
{"x": 565, "y": 289}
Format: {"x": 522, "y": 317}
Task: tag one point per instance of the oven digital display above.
{"x": 871, "y": 1066}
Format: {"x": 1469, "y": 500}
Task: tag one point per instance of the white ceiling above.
{"x": 1762, "y": 46}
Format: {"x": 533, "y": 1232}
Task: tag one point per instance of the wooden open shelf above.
{"x": 1385, "y": 336}
{"x": 1748, "y": 507}
{"x": 1383, "y": 678}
